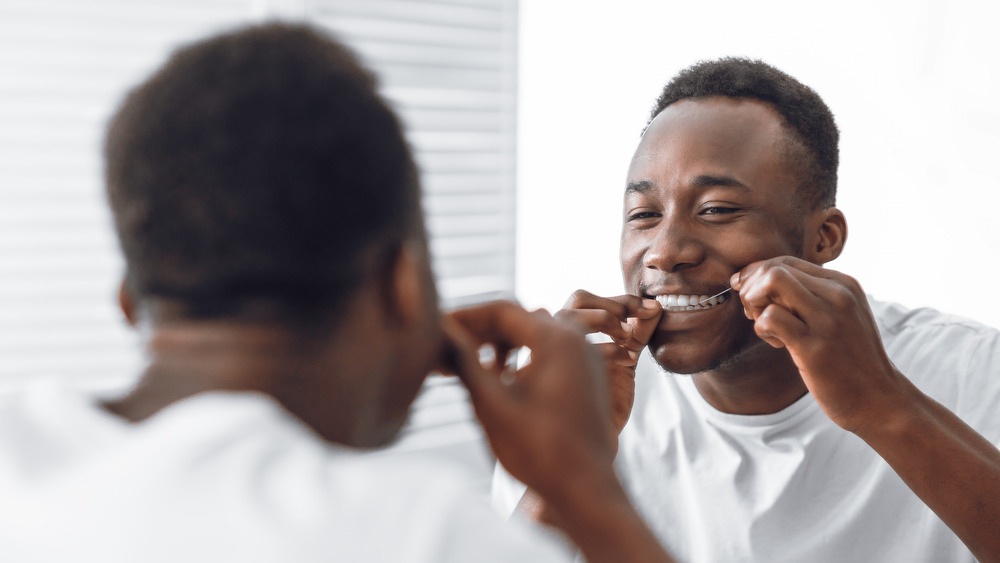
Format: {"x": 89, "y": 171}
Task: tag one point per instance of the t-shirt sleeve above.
{"x": 507, "y": 491}
{"x": 954, "y": 360}
{"x": 979, "y": 387}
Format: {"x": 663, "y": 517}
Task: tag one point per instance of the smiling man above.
{"x": 789, "y": 418}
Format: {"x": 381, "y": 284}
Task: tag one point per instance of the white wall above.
{"x": 912, "y": 85}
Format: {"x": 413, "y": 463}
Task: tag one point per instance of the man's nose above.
{"x": 673, "y": 247}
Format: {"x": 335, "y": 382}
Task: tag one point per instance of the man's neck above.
{"x": 195, "y": 357}
{"x": 761, "y": 380}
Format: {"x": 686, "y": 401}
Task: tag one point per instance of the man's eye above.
{"x": 719, "y": 210}
{"x": 638, "y": 216}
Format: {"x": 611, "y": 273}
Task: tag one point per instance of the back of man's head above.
{"x": 805, "y": 115}
{"x": 257, "y": 166}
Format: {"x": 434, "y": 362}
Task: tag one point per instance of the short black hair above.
{"x": 259, "y": 165}
{"x": 804, "y": 112}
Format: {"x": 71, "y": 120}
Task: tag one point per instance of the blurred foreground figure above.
{"x": 269, "y": 212}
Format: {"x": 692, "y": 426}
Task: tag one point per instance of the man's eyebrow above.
{"x": 642, "y": 186}
{"x": 700, "y": 181}
{"x": 709, "y": 181}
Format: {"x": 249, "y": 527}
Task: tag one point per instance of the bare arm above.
{"x": 549, "y": 426}
{"x": 952, "y": 468}
{"x": 823, "y": 319}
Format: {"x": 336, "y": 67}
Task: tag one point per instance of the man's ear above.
{"x": 127, "y": 304}
{"x": 828, "y": 229}
{"x": 406, "y": 288}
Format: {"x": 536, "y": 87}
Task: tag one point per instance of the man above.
{"x": 268, "y": 210}
{"x": 809, "y": 423}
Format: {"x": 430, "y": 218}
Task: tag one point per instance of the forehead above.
{"x": 740, "y": 138}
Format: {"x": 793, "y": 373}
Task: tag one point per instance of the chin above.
{"x": 687, "y": 358}
{"x": 671, "y": 360}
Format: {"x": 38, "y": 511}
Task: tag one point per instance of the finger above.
{"x": 643, "y": 328}
{"x": 777, "y": 286}
{"x": 616, "y": 371}
{"x": 637, "y": 307}
{"x": 621, "y": 306}
{"x": 755, "y": 269}
{"x": 808, "y": 296}
{"x": 834, "y": 288}
{"x": 462, "y": 356}
{"x": 506, "y": 355}
{"x": 541, "y": 313}
{"x": 617, "y": 355}
{"x": 485, "y": 390}
{"x": 629, "y": 310}
{"x": 786, "y": 285}
{"x": 779, "y": 327}
{"x": 581, "y": 299}
{"x": 597, "y": 320}
{"x": 504, "y": 324}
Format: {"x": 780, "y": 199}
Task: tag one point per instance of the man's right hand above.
{"x": 629, "y": 321}
{"x": 543, "y": 421}
{"x": 545, "y": 424}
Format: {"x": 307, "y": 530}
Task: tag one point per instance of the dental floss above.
{"x": 714, "y": 296}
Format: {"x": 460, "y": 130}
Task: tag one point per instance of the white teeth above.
{"x": 689, "y": 302}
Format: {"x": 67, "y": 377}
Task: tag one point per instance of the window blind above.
{"x": 450, "y": 70}
{"x": 64, "y": 66}
{"x": 448, "y": 66}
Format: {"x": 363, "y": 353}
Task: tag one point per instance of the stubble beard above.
{"x": 736, "y": 354}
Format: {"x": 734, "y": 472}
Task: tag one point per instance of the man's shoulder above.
{"x": 953, "y": 359}
{"x": 230, "y": 475}
{"x": 919, "y": 334}
{"x": 894, "y": 319}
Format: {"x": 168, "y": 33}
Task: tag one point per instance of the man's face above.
{"x": 710, "y": 190}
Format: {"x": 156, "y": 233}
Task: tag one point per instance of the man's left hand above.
{"x": 822, "y": 317}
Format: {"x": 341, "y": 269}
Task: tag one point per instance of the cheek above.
{"x": 631, "y": 257}
{"x": 776, "y": 233}
{"x": 745, "y": 247}
{"x": 741, "y": 249}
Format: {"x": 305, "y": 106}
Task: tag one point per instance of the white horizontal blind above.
{"x": 448, "y": 66}
{"x": 64, "y": 66}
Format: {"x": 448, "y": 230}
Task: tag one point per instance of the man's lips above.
{"x": 677, "y": 298}
{"x": 676, "y": 303}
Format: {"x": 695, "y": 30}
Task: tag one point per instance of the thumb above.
{"x": 643, "y": 324}
{"x": 736, "y": 280}
{"x": 485, "y": 390}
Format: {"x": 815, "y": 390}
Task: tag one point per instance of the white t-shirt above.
{"x": 227, "y": 477}
{"x": 792, "y": 486}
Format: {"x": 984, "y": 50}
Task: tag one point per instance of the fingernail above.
{"x": 734, "y": 281}
{"x": 650, "y": 304}
{"x": 628, "y": 329}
